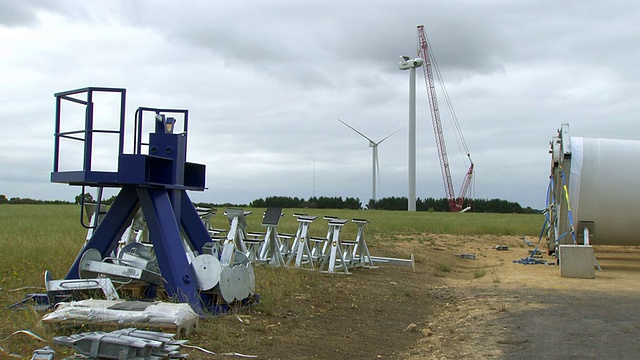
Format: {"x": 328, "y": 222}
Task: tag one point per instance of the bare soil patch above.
{"x": 452, "y": 308}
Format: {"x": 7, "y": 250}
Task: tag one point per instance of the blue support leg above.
{"x": 111, "y": 228}
{"x": 180, "y": 281}
{"x": 192, "y": 224}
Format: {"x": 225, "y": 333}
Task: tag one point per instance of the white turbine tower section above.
{"x": 406, "y": 63}
{"x": 375, "y": 167}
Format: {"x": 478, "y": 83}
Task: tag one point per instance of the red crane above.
{"x": 455, "y": 203}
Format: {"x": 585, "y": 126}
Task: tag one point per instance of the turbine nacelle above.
{"x": 407, "y": 63}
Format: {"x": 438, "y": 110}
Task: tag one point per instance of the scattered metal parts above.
{"x": 531, "y": 261}
{"x": 391, "y": 261}
{"x": 39, "y": 302}
{"x": 139, "y": 255}
{"x": 55, "y": 287}
{"x": 127, "y": 266}
{"x": 124, "y": 344}
{"x": 46, "y": 353}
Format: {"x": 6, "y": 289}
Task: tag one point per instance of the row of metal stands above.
{"x": 330, "y": 253}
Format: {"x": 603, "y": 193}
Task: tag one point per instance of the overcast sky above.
{"x": 266, "y": 81}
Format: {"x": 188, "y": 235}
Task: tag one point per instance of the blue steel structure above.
{"x": 155, "y": 182}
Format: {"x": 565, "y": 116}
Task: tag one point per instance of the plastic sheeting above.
{"x": 126, "y": 313}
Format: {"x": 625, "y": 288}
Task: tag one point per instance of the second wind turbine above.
{"x": 375, "y": 168}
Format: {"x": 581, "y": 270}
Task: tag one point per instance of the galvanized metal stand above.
{"x": 301, "y": 250}
{"x": 360, "y": 257}
{"x": 335, "y": 252}
{"x": 270, "y": 249}
{"x": 235, "y": 236}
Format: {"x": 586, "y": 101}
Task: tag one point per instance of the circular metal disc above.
{"x": 235, "y": 276}
{"x": 240, "y": 258}
{"x": 226, "y": 284}
{"x": 251, "y": 280}
{"x": 88, "y": 256}
{"x": 242, "y": 277}
{"x": 207, "y": 269}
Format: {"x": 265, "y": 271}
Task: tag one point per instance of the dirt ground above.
{"x": 453, "y": 308}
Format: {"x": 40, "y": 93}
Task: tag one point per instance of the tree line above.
{"x": 391, "y": 203}
{"x": 322, "y": 202}
{"x": 442, "y": 205}
{"x": 328, "y": 202}
{"x": 18, "y": 200}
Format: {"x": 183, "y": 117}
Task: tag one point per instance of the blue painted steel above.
{"x": 84, "y": 135}
{"x": 109, "y": 231}
{"x": 164, "y": 165}
{"x": 155, "y": 182}
{"x": 198, "y": 235}
{"x": 169, "y": 249}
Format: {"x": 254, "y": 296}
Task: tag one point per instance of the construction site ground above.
{"x": 449, "y": 308}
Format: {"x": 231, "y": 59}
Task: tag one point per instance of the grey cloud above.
{"x": 21, "y": 13}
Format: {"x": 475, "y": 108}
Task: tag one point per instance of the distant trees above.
{"x": 442, "y": 205}
{"x": 329, "y": 202}
{"x": 322, "y": 202}
{"x": 87, "y": 198}
{"x": 390, "y": 203}
{"x": 17, "y": 200}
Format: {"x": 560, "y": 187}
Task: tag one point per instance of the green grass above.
{"x": 444, "y": 267}
{"x": 35, "y": 238}
{"x": 390, "y": 224}
{"x": 478, "y": 273}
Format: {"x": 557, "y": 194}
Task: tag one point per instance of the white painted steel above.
{"x": 603, "y": 189}
{"x": 412, "y": 140}
{"x": 411, "y": 64}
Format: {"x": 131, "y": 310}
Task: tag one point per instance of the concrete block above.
{"x": 577, "y": 261}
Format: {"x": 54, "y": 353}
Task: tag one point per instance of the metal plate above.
{"x": 251, "y": 280}
{"x": 140, "y": 255}
{"x": 241, "y": 275}
{"x": 89, "y": 256}
{"x": 226, "y": 284}
{"x": 207, "y": 269}
{"x": 240, "y": 258}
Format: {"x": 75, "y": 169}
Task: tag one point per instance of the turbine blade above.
{"x": 388, "y": 136}
{"x": 352, "y": 128}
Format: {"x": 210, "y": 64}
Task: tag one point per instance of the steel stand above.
{"x": 156, "y": 182}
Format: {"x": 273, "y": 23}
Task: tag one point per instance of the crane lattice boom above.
{"x": 455, "y": 204}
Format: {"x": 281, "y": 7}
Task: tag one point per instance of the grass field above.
{"x": 35, "y": 238}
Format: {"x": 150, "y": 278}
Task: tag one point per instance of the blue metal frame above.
{"x": 154, "y": 182}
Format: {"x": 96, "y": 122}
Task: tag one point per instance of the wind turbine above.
{"x": 375, "y": 168}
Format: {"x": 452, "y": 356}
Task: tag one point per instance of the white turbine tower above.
{"x": 375, "y": 168}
